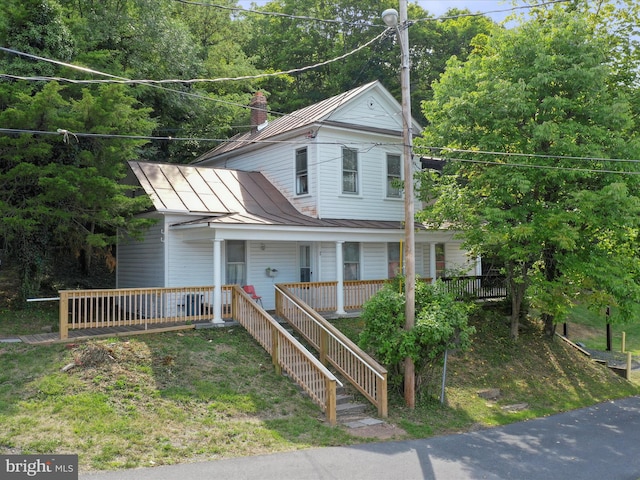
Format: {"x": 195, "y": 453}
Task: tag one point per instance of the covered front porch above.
{"x": 264, "y": 257}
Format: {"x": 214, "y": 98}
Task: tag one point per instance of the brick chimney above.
{"x": 258, "y": 107}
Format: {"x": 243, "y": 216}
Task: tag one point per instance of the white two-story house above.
{"x": 310, "y": 196}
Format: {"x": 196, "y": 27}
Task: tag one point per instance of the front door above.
{"x": 305, "y": 263}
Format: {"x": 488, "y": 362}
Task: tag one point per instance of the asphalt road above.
{"x": 599, "y": 442}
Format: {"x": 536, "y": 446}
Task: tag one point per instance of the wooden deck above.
{"x": 92, "y": 333}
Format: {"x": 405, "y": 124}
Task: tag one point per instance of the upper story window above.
{"x": 349, "y": 170}
{"x": 302, "y": 173}
{"x": 394, "y": 175}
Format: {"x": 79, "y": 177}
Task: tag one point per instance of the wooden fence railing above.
{"x": 483, "y": 287}
{"x": 335, "y": 348}
{"x": 287, "y": 353}
{"x": 322, "y": 296}
{"x": 137, "y": 307}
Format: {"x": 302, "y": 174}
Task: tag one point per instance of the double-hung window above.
{"x": 351, "y": 260}
{"x": 440, "y": 260}
{"x": 236, "y": 262}
{"x": 394, "y": 176}
{"x": 393, "y": 259}
{"x": 349, "y": 171}
{"x": 302, "y": 173}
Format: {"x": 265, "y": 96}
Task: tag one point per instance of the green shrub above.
{"x": 441, "y": 323}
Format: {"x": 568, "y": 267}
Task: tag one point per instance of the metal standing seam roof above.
{"x": 224, "y": 196}
{"x": 293, "y": 121}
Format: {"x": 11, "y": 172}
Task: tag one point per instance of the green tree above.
{"x": 61, "y": 193}
{"x": 441, "y": 324}
{"x": 283, "y": 43}
{"x": 561, "y": 218}
{"x": 164, "y": 39}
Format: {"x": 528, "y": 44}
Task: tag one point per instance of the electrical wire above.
{"x": 527, "y": 155}
{"x": 278, "y": 14}
{"x": 184, "y": 81}
{"x": 481, "y": 14}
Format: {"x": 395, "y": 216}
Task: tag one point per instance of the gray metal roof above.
{"x": 224, "y": 196}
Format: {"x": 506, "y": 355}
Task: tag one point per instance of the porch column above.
{"x": 432, "y": 262}
{"x": 478, "y": 266}
{"x": 340, "y": 278}
{"x": 217, "y": 282}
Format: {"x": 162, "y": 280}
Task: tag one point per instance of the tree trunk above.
{"x": 549, "y": 324}
{"x": 517, "y": 275}
{"x": 551, "y": 273}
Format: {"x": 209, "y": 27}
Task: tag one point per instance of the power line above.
{"x": 19, "y": 131}
{"x": 277, "y": 14}
{"x": 548, "y": 167}
{"x": 527, "y": 155}
{"x": 116, "y": 79}
{"x": 481, "y": 14}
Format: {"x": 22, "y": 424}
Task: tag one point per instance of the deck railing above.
{"x": 482, "y": 287}
{"x": 287, "y": 353}
{"x": 322, "y": 296}
{"x": 335, "y": 348}
{"x": 126, "y": 307}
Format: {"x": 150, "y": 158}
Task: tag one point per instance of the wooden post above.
{"x": 608, "y": 313}
{"x": 64, "y": 315}
{"x": 381, "y": 387}
{"x": 275, "y": 350}
{"x": 324, "y": 346}
{"x": 331, "y": 401}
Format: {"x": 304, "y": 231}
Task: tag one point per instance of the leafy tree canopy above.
{"x": 539, "y": 124}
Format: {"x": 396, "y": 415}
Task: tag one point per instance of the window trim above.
{"x": 299, "y": 174}
{"x": 389, "y": 178}
{"x": 391, "y": 262}
{"x": 357, "y": 263}
{"x": 356, "y": 172}
{"x": 243, "y": 263}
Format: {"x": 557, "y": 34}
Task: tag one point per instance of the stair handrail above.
{"x": 274, "y": 338}
{"x": 377, "y": 395}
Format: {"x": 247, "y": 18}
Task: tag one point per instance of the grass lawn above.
{"x": 590, "y": 329}
{"x": 209, "y": 394}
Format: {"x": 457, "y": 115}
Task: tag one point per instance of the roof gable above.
{"x": 338, "y": 108}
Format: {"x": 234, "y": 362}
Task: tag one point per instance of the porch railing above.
{"x": 335, "y": 348}
{"x": 483, "y": 287}
{"x": 287, "y": 353}
{"x": 127, "y": 307}
{"x": 322, "y": 296}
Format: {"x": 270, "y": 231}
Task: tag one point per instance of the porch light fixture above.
{"x": 396, "y": 20}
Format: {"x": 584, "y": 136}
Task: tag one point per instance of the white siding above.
{"x": 327, "y": 262}
{"x": 279, "y": 255}
{"x": 371, "y": 202}
{"x": 371, "y": 110}
{"x": 190, "y": 264}
{"x": 457, "y": 259}
{"x": 374, "y": 261}
{"x": 141, "y": 263}
{"x": 277, "y": 164}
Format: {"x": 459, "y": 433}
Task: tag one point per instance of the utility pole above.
{"x": 402, "y": 27}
